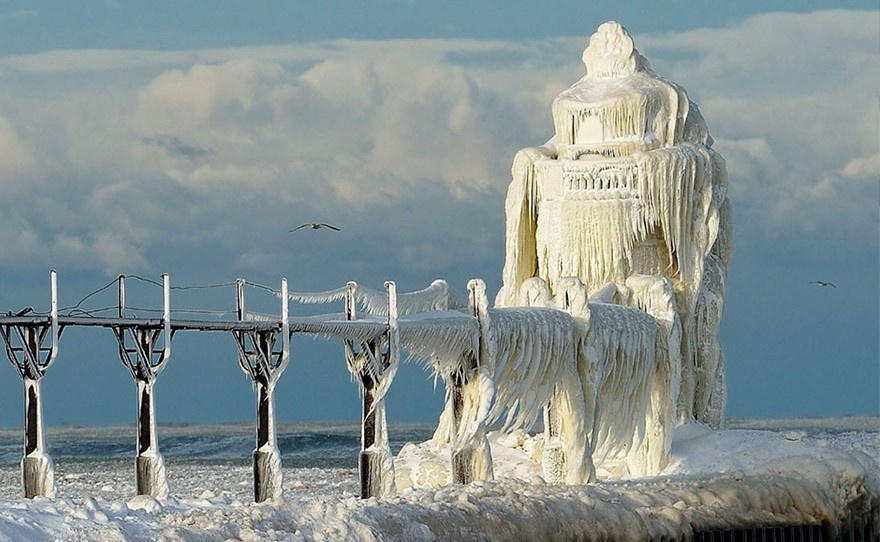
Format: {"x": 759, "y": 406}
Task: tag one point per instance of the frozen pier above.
{"x": 372, "y": 345}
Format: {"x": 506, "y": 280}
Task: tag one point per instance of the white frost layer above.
{"x": 715, "y": 479}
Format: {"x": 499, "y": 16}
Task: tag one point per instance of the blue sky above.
{"x": 188, "y": 137}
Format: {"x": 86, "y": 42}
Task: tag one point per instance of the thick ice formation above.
{"x": 629, "y": 200}
{"x": 715, "y": 480}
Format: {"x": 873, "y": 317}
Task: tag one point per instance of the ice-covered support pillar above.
{"x": 145, "y": 362}
{"x": 656, "y": 296}
{"x": 264, "y": 364}
{"x": 369, "y": 458}
{"x": 149, "y": 464}
{"x": 266, "y": 456}
{"x": 25, "y": 350}
{"x": 567, "y": 452}
{"x": 552, "y": 457}
{"x": 462, "y": 457}
{"x": 375, "y": 370}
{"x": 37, "y": 470}
{"x": 571, "y": 408}
{"x": 471, "y": 395}
{"x": 535, "y": 293}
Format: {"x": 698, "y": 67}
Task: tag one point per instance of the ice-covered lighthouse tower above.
{"x": 629, "y": 187}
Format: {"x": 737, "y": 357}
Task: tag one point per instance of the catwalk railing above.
{"x": 372, "y": 351}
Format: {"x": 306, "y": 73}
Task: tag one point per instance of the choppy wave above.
{"x": 811, "y": 425}
{"x": 306, "y": 445}
{"x": 313, "y": 444}
{"x": 319, "y": 459}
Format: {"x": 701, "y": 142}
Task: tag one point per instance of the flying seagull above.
{"x": 314, "y": 226}
{"x": 824, "y": 283}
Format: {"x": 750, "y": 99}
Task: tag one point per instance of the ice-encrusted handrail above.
{"x": 438, "y": 296}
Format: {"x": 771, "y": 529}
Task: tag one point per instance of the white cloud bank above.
{"x": 792, "y": 100}
{"x": 116, "y": 158}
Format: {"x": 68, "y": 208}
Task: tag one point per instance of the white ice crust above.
{"x": 715, "y": 479}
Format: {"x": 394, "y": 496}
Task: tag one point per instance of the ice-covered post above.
{"x": 572, "y": 298}
{"x": 375, "y": 370}
{"x": 145, "y": 367}
{"x": 266, "y": 456}
{"x": 462, "y": 454}
{"x": 24, "y": 347}
{"x": 553, "y": 458}
{"x": 471, "y": 457}
{"x": 568, "y": 415}
{"x": 37, "y": 470}
{"x": 259, "y": 360}
{"x": 656, "y": 296}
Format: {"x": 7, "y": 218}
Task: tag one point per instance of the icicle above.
{"x": 534, "y": 348}
{"x": 624, "y": 341}
{"x": 438, "y": 336}
{"x": 318, "y": 298}
{"x": 521, "y": 208}
{"x": 438, "y": 296}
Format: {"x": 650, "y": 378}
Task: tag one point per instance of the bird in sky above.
{"x": 315, "y": 226}
{"x": 824, "y": 283}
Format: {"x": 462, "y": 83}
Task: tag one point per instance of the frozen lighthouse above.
{"x": 629, "y": 196}
{"x": 617, "y": 247}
